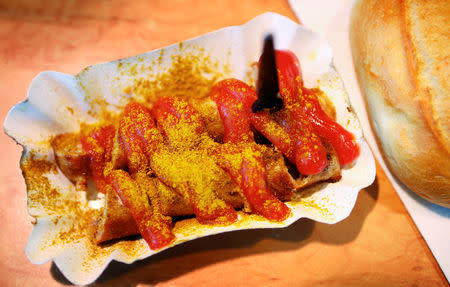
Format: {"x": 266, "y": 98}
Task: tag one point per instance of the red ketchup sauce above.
{"x": 304, "y": 107}
{"x": 155, "y": 228}
{"x": 251, "y": 177}
{"x": 297, "y": 130}
{"x": 98, "y": 145}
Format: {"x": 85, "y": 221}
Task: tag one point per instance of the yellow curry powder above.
{"x": 190, "y": 76}
{"x": 63, "y": 208}
{"x": 186, "y": 161}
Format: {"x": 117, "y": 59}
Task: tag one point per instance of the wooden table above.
{"x": 378, "y": 245}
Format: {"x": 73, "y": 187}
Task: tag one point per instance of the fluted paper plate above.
{"x": 59, "y": 103}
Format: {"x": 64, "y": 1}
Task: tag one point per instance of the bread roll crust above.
{"x": 427, "y": 30}
{"x": 401, "y": 56}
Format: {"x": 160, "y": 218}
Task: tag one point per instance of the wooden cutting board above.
{"x": 377, "y": 245}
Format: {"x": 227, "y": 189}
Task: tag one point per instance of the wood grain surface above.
{"x": 378, "y": 245}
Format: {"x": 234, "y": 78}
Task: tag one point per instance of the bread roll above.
{"x": 401, "y": 52}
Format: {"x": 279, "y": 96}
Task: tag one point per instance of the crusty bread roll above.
{"x": 401, "y": 52}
